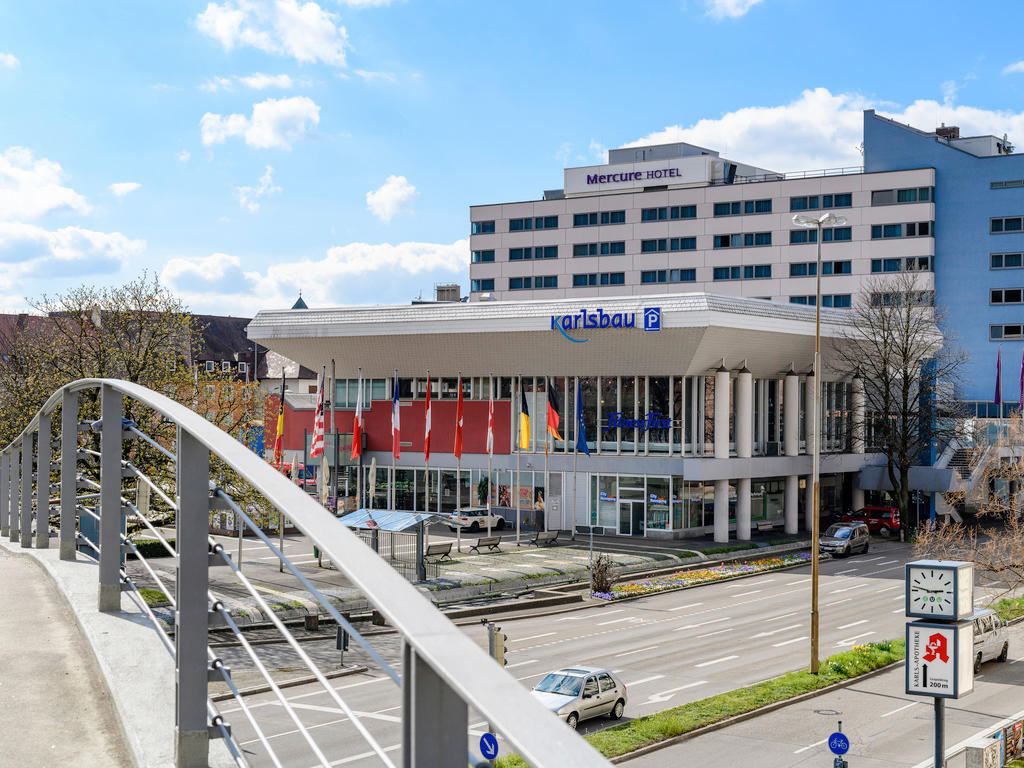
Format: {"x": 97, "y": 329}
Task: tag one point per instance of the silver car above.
{"x": 843, "y": 539}
{"x": 580, "y": 693}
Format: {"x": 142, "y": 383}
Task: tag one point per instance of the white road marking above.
{"x": 655, "y": 698}
{"x": 688, "y": 605}
{"x": 898, "y": 597}
{"x": 744, "y": 594}
{"x": 837, "y": 602}
{"x": 776, "y": 631}
{"x": 810, "y": 746}
{"x": 638, "y": 650}
{"x": 801, "y": 581}
{"x": 712, "y": 634}
{"x": 900, "y": 709}
{"x": 644, "y": 680}
{"x": 889, "y": 589}
{"x": 789, "y": 642}
{"x": 870, "y": 559}
{"x": 613, "y": 621}
{"x": 701, "y": 624}
{"x": 531, "y": 637}
{"x": 848, "y": 589}
{"x": 759, "y": 581}
{"x": 364, "y": 755}
{"x": 854, "y": 624}
{"x": 849, "y": 640}
{"x": 716, "y": 661}
{"x": 888, "y": 562}
{"x": 521, "y": 664}
{"x": 783, "y": 616}
{"x": 848, "y": 570}
{"x": 898, "y": 610}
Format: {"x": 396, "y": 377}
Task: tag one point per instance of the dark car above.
{"x": 843, "y": 539}
{"x": 881, "y": 520}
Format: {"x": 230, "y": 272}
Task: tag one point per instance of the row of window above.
{"x": 538, "y": 252}
{"x": 815, "y": 202}
{"x": 745, "y": 272}
{"x": 531, "y": 222}
{"x": 911, "y": 195}
{"x": 668, "y": 244}
{"x": 1006, "y": 296}
{"x": 599, "y": 278}
{"x": 1006, "y": 261}
{"x": 668, "y": 276}
{"x": 1003, "y": 331}
{"x": 669, "y": 212}
{"x": 603, "y": 249}
{"x": 897, "y": 298}
{"x": 483, "y": 256}
{"x": 798, "y": 236}
{"x": 910, "y": 264}
{"x": 834, "y": 300}
{"x": 225, "y": 366}
{"x": 527, "y": 283}
{"x": 746, "y": 240}
{"x": 912, "y": 229}
{"x": 810, "y": 268}
{"x": 1007, "y": 224}
{"x": 601, "y": 217}
{"x": 742, "y": 207}
{"x": 1011, "y": 184}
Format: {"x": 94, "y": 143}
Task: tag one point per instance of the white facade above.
{"x": 625, "y": 256}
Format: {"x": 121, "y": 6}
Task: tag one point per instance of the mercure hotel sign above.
{"x": 613, "y": 178}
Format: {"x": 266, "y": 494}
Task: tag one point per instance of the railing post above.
{"x": 110, "y": 499}
{"x": 25, "y": 513}
{"x": 68, "y": 470}
{"x": 434, "y": 718}
{"x": 14, "y": 460}
{"x": 5, "y": 494}
{"x": 43, "y": 482}
{"x": 191, "y": 619}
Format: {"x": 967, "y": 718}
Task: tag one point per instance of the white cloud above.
{"x": 305, "y": 32}
{"x": 730, "y": 9}
{"x": 184, "y": 156}
{"x": 29, "y": 251}
{"x": 249, "y": 197}
{"x": 370, "y": 76}
{"x": 30, "y": 187}
{"x": 220, "y": 281}
{"x": 214, "y": 84}
{"x": 1016, "y": 68}
{"x": 274, "y": 123}
{"x": 257, "y": 81}
{"x": 122, "y": 188}
{"x": 9, "y": 60}
{"x": 822, "y": 130}
{"x": 392, "y": 197}
{"x": 365, "y": 3}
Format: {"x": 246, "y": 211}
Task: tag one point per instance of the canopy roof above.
{"x": 385, "y": 519}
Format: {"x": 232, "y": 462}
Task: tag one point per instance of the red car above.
{"x": 881, "y": 520}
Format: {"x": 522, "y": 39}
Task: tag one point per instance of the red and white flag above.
{"x": 490, "y": 419}
{"x": 357, "y": 423}
{"x": 458, "y": 423}
{"x": 317, "y": 447}
{"x": 426, "y": 425}
{"x": 396, "y": 446}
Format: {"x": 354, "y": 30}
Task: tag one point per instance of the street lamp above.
{"x": 817, "y": 223}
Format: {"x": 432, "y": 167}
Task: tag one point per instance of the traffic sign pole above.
{"x": 940, "y": 732}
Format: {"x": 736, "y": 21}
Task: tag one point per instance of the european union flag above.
{"x": 581, "y": 428}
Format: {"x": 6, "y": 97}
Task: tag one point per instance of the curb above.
{"x": 735, "y": 719}
{"x": 289, "y": 683}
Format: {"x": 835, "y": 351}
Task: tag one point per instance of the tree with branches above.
{"x": 895, "y": 344}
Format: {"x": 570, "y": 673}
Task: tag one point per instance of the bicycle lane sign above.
{"x": 838, "y": 743}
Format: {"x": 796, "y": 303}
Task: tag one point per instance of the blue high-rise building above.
{"x": 979, "y": 242}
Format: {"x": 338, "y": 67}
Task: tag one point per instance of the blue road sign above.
{"x": 838, "y": 743}
{"x": 489, "y": 746}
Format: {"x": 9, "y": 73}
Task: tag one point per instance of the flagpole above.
{"x": 334, "y": 435}
{"x": 393, "y": 459}
{"x": 426, "y": 448}
{"x": 519, "y": 460}
{"x": 575, "y": 450}
{"x": 359, "y": 467}
{"x": 323, "y": 446}
{"x": 490, "y": 443}
{"x": 458, "y": 473}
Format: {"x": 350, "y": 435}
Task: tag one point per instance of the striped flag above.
{"x": 999, "y": 376}
{"x": 316, "y": 448}
{"x": 396, "y": 427}
{"x": 458, "y": 423}
{"x": 357, "y": 423}
{"x": 524, "y": 419}
{"x": 553, "y": 409}
{"x": 426, "y": 424}
{"x": 490, "y": 419}
{"x": 279, "y": 438}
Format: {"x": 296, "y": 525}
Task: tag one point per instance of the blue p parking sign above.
{"x": 489, "y": 746}
{"x": 838, "y": 743}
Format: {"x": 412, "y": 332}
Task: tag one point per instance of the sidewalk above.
{"x": 55, "y": 708}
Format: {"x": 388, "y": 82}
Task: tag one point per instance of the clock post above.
{"x": 939, "y": 647}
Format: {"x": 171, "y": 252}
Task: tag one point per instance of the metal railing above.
{"x": 813, "y": 174}
{"x": 440, "y": 674}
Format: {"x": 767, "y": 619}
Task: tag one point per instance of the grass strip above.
{"x": 154, "y": 597}
{"x": 661, "y": 726}
{"x": 1009, "y": 607}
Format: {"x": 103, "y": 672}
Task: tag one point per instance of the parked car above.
{"x": 475, "y": 519}
{"x": 580, "y": 693}
{"x": 991, "y": 640}
{"x": 843, "y": 539}
{"x": 881, "y": 520}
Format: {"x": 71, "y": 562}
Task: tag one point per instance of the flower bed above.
{"x": 701, "y": 576}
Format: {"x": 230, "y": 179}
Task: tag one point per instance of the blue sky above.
{"x": 247, "y": 149}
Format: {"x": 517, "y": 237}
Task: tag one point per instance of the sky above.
{"x": 247, "y": 150}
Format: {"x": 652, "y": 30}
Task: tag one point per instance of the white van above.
{"x": 991, "y": 639}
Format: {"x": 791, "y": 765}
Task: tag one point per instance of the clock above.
{"x": 940, "y": 589}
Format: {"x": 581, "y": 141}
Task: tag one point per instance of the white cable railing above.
{"x": 442, "y": 674}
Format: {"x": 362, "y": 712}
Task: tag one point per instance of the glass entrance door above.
{"x": 625, "y": 517}
{"x": 638, "y": 518}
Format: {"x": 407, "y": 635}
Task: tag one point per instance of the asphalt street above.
{"x": 669, "y": 649}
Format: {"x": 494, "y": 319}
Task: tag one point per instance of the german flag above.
{"x": 553, "y": 409}
{"x": 524, "y": 420}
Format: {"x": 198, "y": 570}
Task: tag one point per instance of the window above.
{"x": 653, "y": 214}
{"x": 1014, "y": 331}
{"x": 728, "y": 241}
{"x": 516, "y": 254}
{"x": 1012, "y": 184}
{"x": 1006, "y": 224}
{"x": 836, "y": 233}
{"x": 602, "y": 217}
{"x": 727, "y": 209}
{"x": 669, "y": 276}
{"x": 886, "y": 230}
{"x": 482, "y": 256}
{"x": 757, "y": 206}
{"x": 843, "y": 200}
{"x": 1006, "y": 261}
{"x": 579, "y": 281}
{"x": 682, "y": 243}
{"x": 584, "y": 249}
{"x": 918, "y": 263}
{"x": 520, "y": 283}
{"x": 601, "y": 278}
{"x": 918, "y": 229}
{"x": 915, "y": 298}
{"x": 650, "y": 246}
{"x": 801, "y": 269}
{"x": 1006, "y": 296}
{"x": 612, "y": 248}
{"x": 210, "y": 366}
{"x": 810, "y": 268}
{"x": 483, "y": 227}
{"x": 803, "y": 203}
{"x": 547, "y": 281}
{"x": 683, "y": 212}
{"x": 798, "y": 236}
{"x": 539, "y": 252}
{"x": 486, "y": 284}
{"x": 243, "y": 367}
{"x": 593, "y": 249}
{"x": 540, "y": 222}
{"x": 833, "y": 300}
{"x": 747, "y": 272}
{"x": 726, "y": 273}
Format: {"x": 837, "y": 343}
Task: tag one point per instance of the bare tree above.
{"x": 911, "y": 373}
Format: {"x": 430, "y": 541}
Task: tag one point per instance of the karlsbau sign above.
{"x": 599, "y": 319}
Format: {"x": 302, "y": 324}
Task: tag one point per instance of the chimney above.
{"x": 948, "y": 132}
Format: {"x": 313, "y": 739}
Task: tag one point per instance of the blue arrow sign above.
{"x": 838, "y": 743}
{"x": 489, "y": 746}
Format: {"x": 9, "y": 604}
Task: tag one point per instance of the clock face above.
{"x": 931, "y": 592}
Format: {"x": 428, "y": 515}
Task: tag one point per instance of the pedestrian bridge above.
{"x": 80, "y": 465}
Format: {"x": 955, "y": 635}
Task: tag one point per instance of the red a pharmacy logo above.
{"x": 936, "y": 649}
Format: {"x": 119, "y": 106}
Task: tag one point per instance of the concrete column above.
{"x": 744, "y": 414}
{"x": 792, "y": 504}
{"x": 111, "y": 408}
{"x": 43, "y": 483}
{"x": 25, "y": 515}
{"x": 791, "y": 414}
{"x": 15, "y": 491}
{"x": 68, "y": 468}
{"x": 722, "y": 414}
{"x": 722, "y": 510}
{"x": 858, "y": 417}
{"x": 809, "y": 383}
{"x": 743, "y": 509}
{"x": 5, "y": 495}
{"x": 809, "y": 504}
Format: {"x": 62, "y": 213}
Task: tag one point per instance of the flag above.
{"x": 999, "y": 376}
{"x": 426, "y": 425}
{"x": 357, "y": 423}
{"x": 396, "y": 449}
{"x": 553, "y": 409}
{"x": 1021, "y": 403}
{"x": 316, "y": 447}
{"x": 490, "y": 418}
{"x": 524, "y": 420}
{"x": 581, "y": 428}
{"x": 458, "y": 424}
{"x": 279, "y": 439}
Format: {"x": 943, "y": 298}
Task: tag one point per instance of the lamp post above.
{"x": 817, "y": 223}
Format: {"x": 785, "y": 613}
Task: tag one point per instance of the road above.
{"x": 668, "y": 648}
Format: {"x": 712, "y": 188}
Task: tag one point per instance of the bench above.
{"x": 491, "y": 542}
{"x": 544, "y": 539}
{"x": 765, "y": 525}
{"x": 440, "y": 551}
